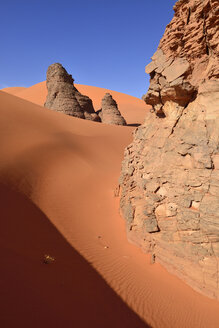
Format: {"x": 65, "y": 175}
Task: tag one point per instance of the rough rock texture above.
{"x": 109, "y": 112}
{"x": 170, "y": 174}
{"x": 64, "y": 97}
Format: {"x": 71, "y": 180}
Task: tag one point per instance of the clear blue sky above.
{"x": 105, "y": 43}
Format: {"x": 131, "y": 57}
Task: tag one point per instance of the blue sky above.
{"x": 105, "y": 43}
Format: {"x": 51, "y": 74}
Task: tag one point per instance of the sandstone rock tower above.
{"x": 170, "y": 174}
{"x": 109, "y": 112}
{"x": 64, "y": 97}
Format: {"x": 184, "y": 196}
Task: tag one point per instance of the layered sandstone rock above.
{"x": 170, "y": 174}
{"x": 187, "y": 54}
{"x": 109, "y": 112}
{"x": 64, "y": 97}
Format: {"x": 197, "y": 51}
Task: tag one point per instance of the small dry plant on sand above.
{"x": 47, "y": 259}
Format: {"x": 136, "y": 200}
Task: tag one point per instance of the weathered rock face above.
{"x": 170, "y": 175}
{"x": 109, "y": 112}
{"x": 64, "y": 97}
{"x": 187, "y": 54}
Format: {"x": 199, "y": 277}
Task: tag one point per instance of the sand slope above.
{"x": 14, "y": 90}
{"x": 58, "y": 176}
{"x": 132, "y": 108}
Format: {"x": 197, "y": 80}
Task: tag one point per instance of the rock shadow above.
{"x": 66, "y": 292}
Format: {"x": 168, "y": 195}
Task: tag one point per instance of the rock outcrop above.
{"x": 169, "y": 185}
{"x": 109, "y": 112}
{"x": 64, "y": 97}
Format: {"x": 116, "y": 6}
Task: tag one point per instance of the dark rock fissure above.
{"x": 188, "y": 17}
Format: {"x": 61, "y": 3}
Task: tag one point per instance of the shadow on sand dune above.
{"x": 65, "y": 293}
{"x": 134, "y": 124}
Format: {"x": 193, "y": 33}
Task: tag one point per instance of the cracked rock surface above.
{"x": 64, "y": 97}
{"x": 169, "y": 184}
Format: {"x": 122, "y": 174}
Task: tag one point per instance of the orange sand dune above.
{"x": 57, "y": 177}
{"x": 132, "y": 108}
{"x": 14, "y": 90}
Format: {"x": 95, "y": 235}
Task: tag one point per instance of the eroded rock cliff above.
{"x": 64, "y": 97}
{"x": 169, "y": 185}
